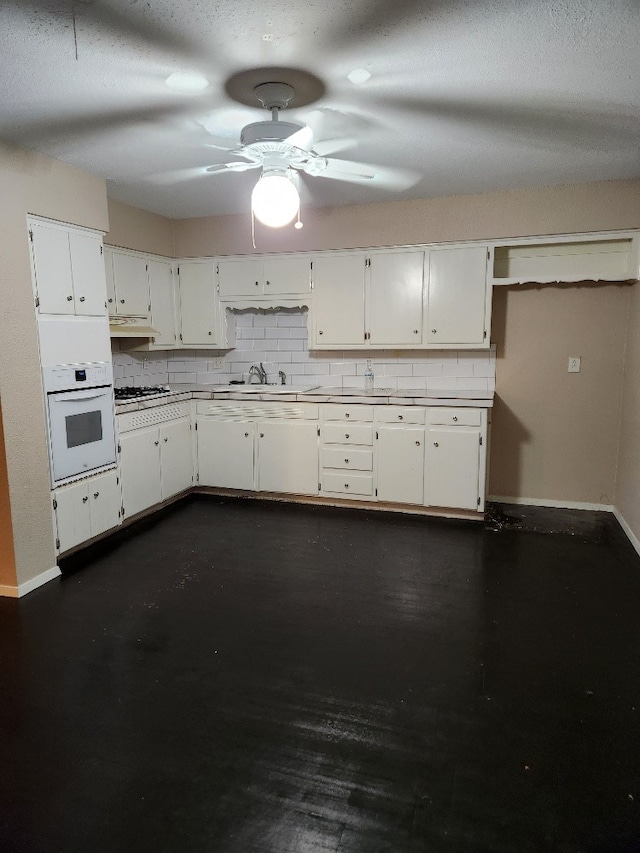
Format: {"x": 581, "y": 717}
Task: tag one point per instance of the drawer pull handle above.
{"x": 346, "y": 485}
{"x": 346, "y": 461}
{"x": 85, "y": 499}
{"x": 96, "y": 494}
{"x": 435, "y": 444}
{"x": 455, "y": 417}
{"x": 346, "y": 435}
{"x": 400, "y": 417}
{"x": 346, "y": 414}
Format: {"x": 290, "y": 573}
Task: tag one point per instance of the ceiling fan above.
{"x": 282, "y": 150}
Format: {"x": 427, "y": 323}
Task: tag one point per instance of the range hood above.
{"x": 131, "y": 327}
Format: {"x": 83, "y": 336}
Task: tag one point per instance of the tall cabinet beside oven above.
{"x": 70, "y": 301}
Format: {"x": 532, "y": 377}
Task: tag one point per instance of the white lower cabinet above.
{"x": 346, "y": 451}
{"x": 455, "y": 458}
{"x": 266, "y": 446}
{"x": 226, "y": 453}
{"x": 86, "y": 509}
{"x": 400, "y": 464}
{"x": 288, "y": 457}
{"x": 156, "y": 459}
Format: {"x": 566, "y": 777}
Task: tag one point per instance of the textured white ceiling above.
{"x": 473, "y": 95}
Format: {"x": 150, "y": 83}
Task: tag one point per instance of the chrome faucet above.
{"x": 260, "y": 372}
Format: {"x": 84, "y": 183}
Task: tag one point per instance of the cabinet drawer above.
{"x": 454, "y": 417}
{"x": 347, "y": 458}
{"x": 400, "y": 415}
{"x": 347, "y": 434}
{"x": 348, "y": 484}
{"x": 337, "y": 412}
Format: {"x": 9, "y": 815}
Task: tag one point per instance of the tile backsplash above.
{"x": 278, "y": 339}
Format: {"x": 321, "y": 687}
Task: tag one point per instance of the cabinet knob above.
{"x": 346, "y": 414}
{"x": 166, "y": 439}
{"x": 267, "y": 283}
{"x": 110, "y": 300}
{"x": 82, "y": 299}
{"x": 435, "y": 444}
{"x": 209, "y": 333}
{"x": 346, "y": 461}
{"x": 346, "y": 485}
{"x": 321, "y": 332}
{"x": 257, "y": 284}
{"x": 96, "y": 494}
{"x": 261, "y": 435}
{"x": 455, "y": 418}
{"x": 346, "y": 435}
{"x": 246, "y": 435}
{"x": 433, "y": 331}
{"x": 69, "y": 298}
{"x": 415, "y": 331}
{"x": 122, "y": 301}
{"x": 417, "y": 444}
{"x": 156, "y": 443}
{"x": 400, "y": 417}
{"x": 85, "y": 499}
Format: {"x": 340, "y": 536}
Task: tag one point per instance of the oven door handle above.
{"x": 75, "y": 396}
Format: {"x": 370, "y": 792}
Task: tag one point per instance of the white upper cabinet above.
{"x": 127, "y": 283}
{"x": 395, "y": 298}
{"x": 338, "y": 300}
{"x": 200, "y": 324}
{"x": 459, "y": 306}
{"x": 286, "y": 276}
{"x": 368, "y": 301}
{"x": 68, "y": 270}
{"x": 162, "y": 297}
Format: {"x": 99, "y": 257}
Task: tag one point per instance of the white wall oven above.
{"x": 81, "y": 419}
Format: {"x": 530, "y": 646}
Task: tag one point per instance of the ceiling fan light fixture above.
{"x": 187, "y": 82}
{"x": 275, "y": 200}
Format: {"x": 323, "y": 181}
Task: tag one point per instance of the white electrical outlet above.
{"x": 217, "y": 363}
{"x": 145, "y": 363}
{"x": 574, "y": 364}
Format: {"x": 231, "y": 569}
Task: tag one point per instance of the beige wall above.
{"x": 132, "y": 228}
{"x": 7, "y": 553}
{"x": 554, "y": 433}
{"x": 603, "y": 206}
{"x": 628, "y": 477}
{"x": 30, "y": 183}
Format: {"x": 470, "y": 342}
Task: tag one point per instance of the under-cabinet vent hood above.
{"x": 131, "y": 327}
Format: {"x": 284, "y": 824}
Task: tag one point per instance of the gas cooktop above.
{"x": 131, "y": 393}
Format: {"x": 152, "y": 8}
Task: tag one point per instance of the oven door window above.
{"x": 83, "y": 429}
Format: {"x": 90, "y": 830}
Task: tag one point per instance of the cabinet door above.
{"x": 338, "y": 282}
{"x": 240, "y": 278}
{"x": 197, "y": 304}
{"x": 163, "y": 304}
{"x": 88, "y": 273}
{"x": 226, "y": 453}
{"x": 457, "y": 295}
{"x": 140, "y": 470}
{"x": 400, "y": 464}
{"x": 105, "y": 501}
{"x": 131, "y": 284}
{"x": 395, "y": 298}
{"x": 283, "y": 276}
{"x": 73, "y": 515}
{"x": 52, "y": 268}
{"x": 176, "y": 466}
{"x": 288, "y": 457}
{"x": 452, "y": 464}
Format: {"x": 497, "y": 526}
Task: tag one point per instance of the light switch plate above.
{"x": 574, "y": 364}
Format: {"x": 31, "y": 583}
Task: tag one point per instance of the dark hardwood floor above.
{"x": 253, "y": 677}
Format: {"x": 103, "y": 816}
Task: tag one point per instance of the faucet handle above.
{"x": 283, "y": 377}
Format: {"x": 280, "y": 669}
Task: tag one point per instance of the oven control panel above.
{"x": 65, "y": 377}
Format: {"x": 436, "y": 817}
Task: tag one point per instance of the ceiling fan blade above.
{"x": 599, "y": 127}
{"x": 369, "y": 174}
{"x": 302, "y": 138}
{"x": 231, "y": 167}
{"x": 332, "y": 146}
